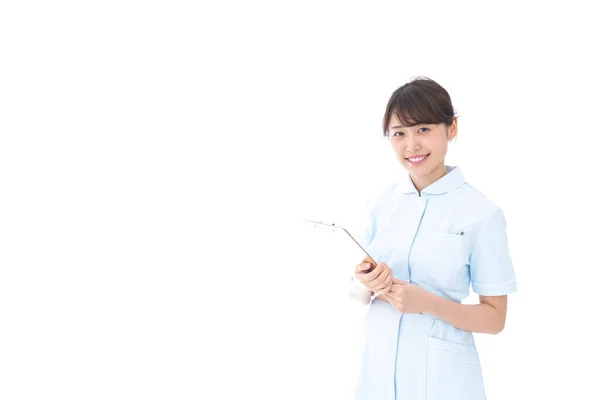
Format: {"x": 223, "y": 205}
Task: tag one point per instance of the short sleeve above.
{"x": 491, "y": 268}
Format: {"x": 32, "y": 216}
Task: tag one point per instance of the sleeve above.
{"x": 491, "y": 269}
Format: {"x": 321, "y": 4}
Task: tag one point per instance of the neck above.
{"x": 421, "y": 182}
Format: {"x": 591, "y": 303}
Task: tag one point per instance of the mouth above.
{"x": 417, "y": 160}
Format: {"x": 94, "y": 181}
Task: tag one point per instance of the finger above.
{"x": 382, "y": 280}
{"x": 374, "y": 274}
{"x": 387, "y": 289}
{"x": 364, "y": 280}
{"x": 397, "y": 304}
{"x": 360, "y": 270}
{"x": 399, "y": 289}
{"x": 363, "y": 266}
{"x": 388, "y": 281}
{"x": 369, "y": 267}
{"x": 399, "y": 281}
{"x": 380, "y": 283}
{"x": 391, "y": 293}
{"x": 370, "y": 261}
{"x": 380, "y": 277}
{"x": 382, "y": 290}
{"x": 390, "y": 285}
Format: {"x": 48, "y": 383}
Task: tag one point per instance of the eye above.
{"x": 398, "y": 133}
{"x": 423, "y": 129}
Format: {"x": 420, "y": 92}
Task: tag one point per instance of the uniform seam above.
{"x": 493, "y": 284}
{"x": 427, "y": 358}
{"x": 450, "y": 359}
{"x": 453, "y": 351}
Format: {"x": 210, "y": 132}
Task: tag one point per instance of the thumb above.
{"x": 364, "y": 266}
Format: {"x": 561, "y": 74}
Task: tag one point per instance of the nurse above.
{"x": 433, "y": 236}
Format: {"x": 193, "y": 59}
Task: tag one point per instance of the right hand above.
{"x": 379, "y": 280}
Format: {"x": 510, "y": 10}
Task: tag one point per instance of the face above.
{"x": 421, "y": 149}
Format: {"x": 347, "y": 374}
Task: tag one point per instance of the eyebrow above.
{"x": 402, "y": 126}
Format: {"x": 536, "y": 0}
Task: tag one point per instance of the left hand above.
{"x": 408, "y": 298}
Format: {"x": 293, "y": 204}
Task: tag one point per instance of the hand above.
{"x": 379, "y": 280}
{"x": 408, "y": 298}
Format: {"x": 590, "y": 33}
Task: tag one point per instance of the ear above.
{"x": 453, "y": 129}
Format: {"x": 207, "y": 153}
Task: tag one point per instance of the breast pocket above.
{"x": 453, "y": 371}
{"x": 442, "y": 260}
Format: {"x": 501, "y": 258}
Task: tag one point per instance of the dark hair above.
{"x": 420, "y": 101}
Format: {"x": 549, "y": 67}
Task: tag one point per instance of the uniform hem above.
{"x": 495, "y": 290}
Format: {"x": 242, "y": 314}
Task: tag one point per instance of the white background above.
{"x": 155, "y": 157}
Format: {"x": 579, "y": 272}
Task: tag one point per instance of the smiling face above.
{"x": 421, "y": 149}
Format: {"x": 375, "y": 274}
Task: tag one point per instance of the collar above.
{"x": 447, "y": 183}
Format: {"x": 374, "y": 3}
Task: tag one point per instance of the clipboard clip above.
{"x": 319, "y": 222}
{"x": 334, "y": 227}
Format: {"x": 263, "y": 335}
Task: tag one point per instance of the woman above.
{"x": 433, "y": 235}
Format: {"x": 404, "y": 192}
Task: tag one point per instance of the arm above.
{"x": 492, "y": 276}
{"x": 486, "y": 317}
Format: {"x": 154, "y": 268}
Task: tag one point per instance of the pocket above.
{"x": 453, "y": 371}
{"x": 443, "y": 259}
{"x": 450, "y": 247}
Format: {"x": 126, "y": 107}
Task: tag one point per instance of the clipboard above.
{"x": 343, "y": 232}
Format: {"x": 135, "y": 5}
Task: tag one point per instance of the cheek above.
{"x": 398, "y": 148}
{"x": 443, "y": 148}
{"x": 399, "y": 151}
{"x": 439, "y": 146}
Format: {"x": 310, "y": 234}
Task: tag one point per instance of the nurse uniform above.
{"x": 448, "y": 238}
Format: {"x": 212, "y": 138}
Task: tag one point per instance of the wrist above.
{"x": 432, "y": 304}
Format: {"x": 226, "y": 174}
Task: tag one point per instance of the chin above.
{"x": 418, "y": 170}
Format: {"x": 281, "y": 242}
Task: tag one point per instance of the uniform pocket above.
{"x": 443, "y": 260}
{"x": 453, "y": 371}
{"x": 450, "y": 247}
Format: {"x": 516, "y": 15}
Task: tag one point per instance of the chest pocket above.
{"x": 441, "y": 260}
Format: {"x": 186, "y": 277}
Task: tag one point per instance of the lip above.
{"x": 418, "y": 162}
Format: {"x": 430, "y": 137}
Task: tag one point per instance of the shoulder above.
{"x": 482, "y": 218}
{"x": 479, "y": 204}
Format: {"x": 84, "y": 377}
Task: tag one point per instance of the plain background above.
{"x": 155, "y": 158}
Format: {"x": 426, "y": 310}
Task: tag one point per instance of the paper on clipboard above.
{"x": 341, "y": 240}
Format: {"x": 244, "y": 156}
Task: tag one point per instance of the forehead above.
{"x": 396, "y": 124}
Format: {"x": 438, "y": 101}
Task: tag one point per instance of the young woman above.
{"x": 432, "y": 235}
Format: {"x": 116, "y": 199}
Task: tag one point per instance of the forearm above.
{"x": 482, "y": 318}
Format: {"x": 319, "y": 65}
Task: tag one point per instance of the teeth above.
{"x": 417, "y": 159}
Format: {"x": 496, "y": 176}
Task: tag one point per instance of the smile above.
{"x": 417, "y": 160}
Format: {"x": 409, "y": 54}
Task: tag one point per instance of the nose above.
{"x": 412, "y": 144}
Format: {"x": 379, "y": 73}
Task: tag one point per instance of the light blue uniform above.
{"x": 421, "y": 357}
